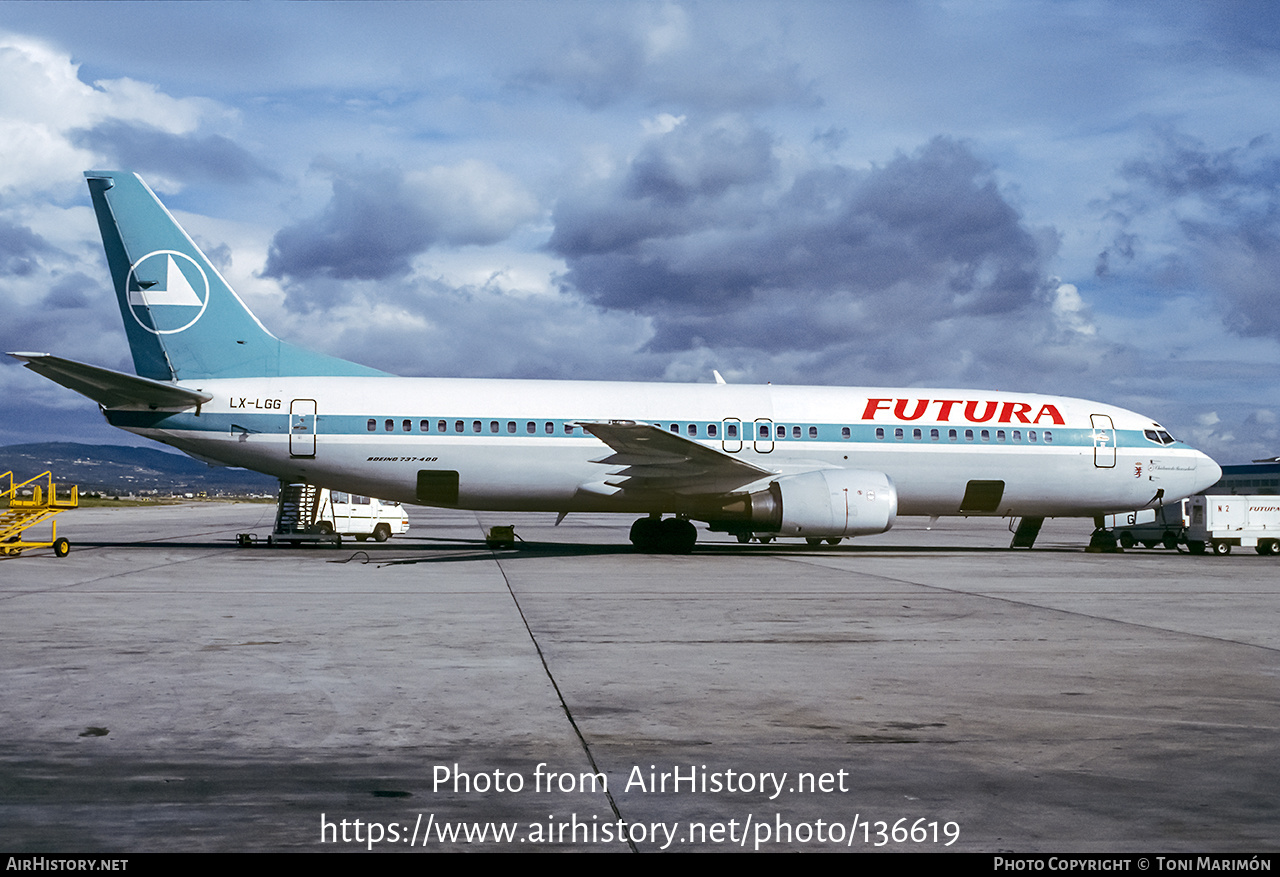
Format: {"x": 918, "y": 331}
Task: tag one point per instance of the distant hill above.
{"x": 120, "y": 469}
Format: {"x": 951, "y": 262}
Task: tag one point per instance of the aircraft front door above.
{"x": 1104, "y": 441}
{"x": 302, "y": 428}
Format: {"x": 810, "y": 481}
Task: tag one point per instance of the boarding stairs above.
{"x": 25, "y": 511}
{"x": 296, "y": 515}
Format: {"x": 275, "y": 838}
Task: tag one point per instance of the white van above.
{"x": 345, "y": 514}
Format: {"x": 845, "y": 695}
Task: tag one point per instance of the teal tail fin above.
{"x": 183, "y": 320}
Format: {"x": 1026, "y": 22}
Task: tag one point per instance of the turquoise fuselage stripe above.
{"x": 278, "y": 423}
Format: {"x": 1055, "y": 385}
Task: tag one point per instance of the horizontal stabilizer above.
{"x": 113, "y": 389}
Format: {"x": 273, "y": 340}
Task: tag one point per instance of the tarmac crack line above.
{"x": 586, "y": 748}
{"x": 809, "y": 561}
{"x": 114, "y": 575}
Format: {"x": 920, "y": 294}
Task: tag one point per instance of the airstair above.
{"x": 25, "y": 511}
{"x": 296, "y": 515}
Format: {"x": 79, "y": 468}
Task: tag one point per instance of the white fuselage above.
{"x": 517, "y": 445}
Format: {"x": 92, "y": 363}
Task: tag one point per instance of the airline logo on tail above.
{"x": 164, "y": 288}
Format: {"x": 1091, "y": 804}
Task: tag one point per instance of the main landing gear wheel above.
{"x": 667, "y": 536}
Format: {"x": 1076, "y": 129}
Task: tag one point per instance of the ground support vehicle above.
{"x": 30, "y": 504}
{"x": 1164, "y": 526}
{"x": 1219, "y": 523}
{"x": 364, "y": 517}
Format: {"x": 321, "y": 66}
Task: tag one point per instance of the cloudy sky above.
{"x": 1078, "y": 198}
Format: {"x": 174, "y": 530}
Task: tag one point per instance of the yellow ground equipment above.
{"x": 27, "y": 511}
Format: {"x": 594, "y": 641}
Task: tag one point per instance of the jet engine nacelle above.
{"x": 823, "y": 503}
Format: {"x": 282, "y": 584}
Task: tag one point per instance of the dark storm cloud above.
{"x": 73, "y": 291}
{"x": 701, "y": 225}
{"x": 1184, "y": 166}
{"x": 144, "y": 149}
{"x": 1226, "y": 206}
{"x": 20, "y": 249}
{"x": 380, "y": 218}
{"x": 1242, "y": 33}
{"x": 371, "y": 229}
{"x": 620, "y": 62}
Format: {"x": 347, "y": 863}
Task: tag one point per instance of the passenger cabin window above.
{"x": 1017, "y": 436}
{"x": 879, "y": 433}
{"x": 693, "y": 429}
{"x": 711, "y": 430}
{"x": 675, "y": 427}
{"x": 475, "y": 426}
{"x": 442, "y": 426}
{"x": 1031, "y": 435}
{"x": 511, "y": 427}
{"x": 1048, "y": 436}
{"x": 550, "y": 428}
{"x": 457, "y": 426}
{"x": 897, "y": 434}
{"x": 373, "y": 425}
{"x": 917, "y": 434}
{"x": 764, "y": 431}
{"x": 844, "y": 432}
{"x": 531, "y": 428}
{"x": 568, "y": 429}
{"x": 493, "y": 426}
{"x": 999, "y": 435}
{"x": 952, "y": 435}
{"x": 934, "y": 435}
{"x": 731, "y": 430}
{"x": 986, "y": 435}
{"x": 968, "y": 435}
{"x": 782, "y": 432}
{"x": 407, "y": 426}
{"x": 813, "y": 432}
{"x": 795, "y": 432}
{"x": 390, "y": 425}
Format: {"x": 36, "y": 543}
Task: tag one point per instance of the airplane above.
{"x": 819, "y": 463}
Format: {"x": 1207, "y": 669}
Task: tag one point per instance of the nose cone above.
{"x": 1208, "y": 473}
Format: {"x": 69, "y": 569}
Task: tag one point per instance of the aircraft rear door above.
{"x": 731, "y": 435}
{"x": 302, "y": 428}
{"x": 1104, "y": 441}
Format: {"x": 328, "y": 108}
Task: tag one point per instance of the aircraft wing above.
{"x": 112, "y": 389}
{"x": 658, "y": 461}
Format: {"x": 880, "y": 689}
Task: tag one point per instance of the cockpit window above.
{"x": 1158, "y": 436}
